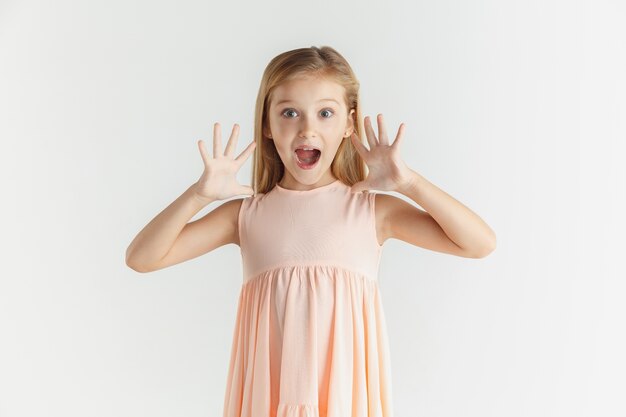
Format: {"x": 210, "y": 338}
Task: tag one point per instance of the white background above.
{"x": 517, "y": 109}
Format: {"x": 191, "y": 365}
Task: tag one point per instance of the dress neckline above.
{"x": 311, "y": 191}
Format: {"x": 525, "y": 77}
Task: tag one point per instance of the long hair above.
{"x": 324, "y": 62}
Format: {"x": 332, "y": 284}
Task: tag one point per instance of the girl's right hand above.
{"x": 219, "y": 179}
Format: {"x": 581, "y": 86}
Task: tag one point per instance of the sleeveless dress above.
{"x": 310, "y": 338}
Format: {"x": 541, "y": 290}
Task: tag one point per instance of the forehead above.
{"x": 308, "y": 90}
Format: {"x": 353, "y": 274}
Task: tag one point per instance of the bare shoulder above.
{"x": 399, "y": 219}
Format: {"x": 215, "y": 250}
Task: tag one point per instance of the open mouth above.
{"x": 307, "y": 159}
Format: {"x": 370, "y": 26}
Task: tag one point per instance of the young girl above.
{"x": 310, "y": 338}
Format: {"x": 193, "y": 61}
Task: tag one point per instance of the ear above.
{"x": 266, "y": 132}
{"x": 350, "y": 127}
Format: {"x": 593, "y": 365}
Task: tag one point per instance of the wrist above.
{"x": 412, "y": 182}
{"x": 195, "y": 196}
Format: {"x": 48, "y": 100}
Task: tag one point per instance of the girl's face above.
{"x": 308, "y": 112}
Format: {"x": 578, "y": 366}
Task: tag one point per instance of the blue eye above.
{"x": 289, "y": 110}
{"x": 292, "y": 110}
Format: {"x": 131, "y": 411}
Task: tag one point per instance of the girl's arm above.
{"x": 446, "y": 225}
{"x": 156, "y": 239}
{"x": 169, "y": 239}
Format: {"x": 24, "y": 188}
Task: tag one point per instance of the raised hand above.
{"x": 219, "y": 179}
{"x": 387, "y": 170}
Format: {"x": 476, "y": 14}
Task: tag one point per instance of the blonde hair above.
{"x": 323, "y": 62}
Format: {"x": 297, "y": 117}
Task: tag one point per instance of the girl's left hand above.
{"x": 387, "y": 170}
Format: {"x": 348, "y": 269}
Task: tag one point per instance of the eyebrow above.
{"x": 324, "y": 99}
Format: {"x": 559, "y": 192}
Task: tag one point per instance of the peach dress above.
{"x": 310, "y": 338}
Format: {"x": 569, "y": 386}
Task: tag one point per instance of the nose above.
{"x": 307, "y": 127}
